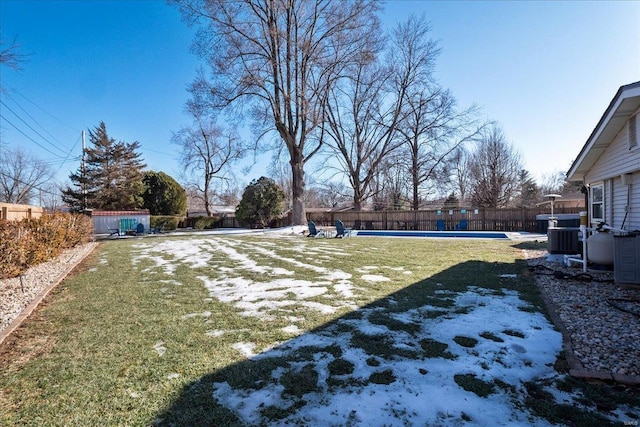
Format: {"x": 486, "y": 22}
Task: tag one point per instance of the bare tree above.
{"x": 494, "y": 167}
{"x": 10, "y": 53}
{"x": 22, "y": 177}
{"x": 390, "y": 183}
{"x": 362, "y": 115}
{"x": 432, "y": 127}
{"x": 281, "y": 57}
{"x": 207, "y": 152}
{"x": 460, "y": 177}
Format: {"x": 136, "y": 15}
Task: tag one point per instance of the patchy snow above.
{"x": 160, "y": 348}
{"x": 375, "y": 278}
{"x": 397, "y": 383}
{"x": 246, "y": 348}
{"x": 424, "y": 391}
{"x": 192, "y": 315}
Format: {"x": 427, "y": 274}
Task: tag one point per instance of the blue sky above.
{"x": 545, "y": 71}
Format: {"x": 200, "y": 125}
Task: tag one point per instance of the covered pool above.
{"x": 437, "y": 234}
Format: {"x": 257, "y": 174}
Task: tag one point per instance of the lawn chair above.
{"x": 139, "y": 229}
{"x": 114, "y": 231}
{"x": 313, "y": 231}
{"x": 341, "y": 231}
{"x": 440, "y": 226}
{"x": 462, "y": 225}
{"x": 158, "y": 229}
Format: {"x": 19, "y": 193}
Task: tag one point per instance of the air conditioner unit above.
{"x": 626, "y": 260}
{"x": 563, "y": 241}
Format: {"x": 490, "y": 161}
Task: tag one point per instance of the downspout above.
{"x": 584, "y": 221}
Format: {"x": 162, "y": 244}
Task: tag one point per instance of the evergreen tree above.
{"x": 163, "y": 195}
{"x": 529, "y": 191}
{"x": 112, "y": 177}
{"x": 262, "y": 202}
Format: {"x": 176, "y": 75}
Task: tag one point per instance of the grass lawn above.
{"x": 264, "y": 330}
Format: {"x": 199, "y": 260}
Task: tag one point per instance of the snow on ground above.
{"x": 401, "y": 382}
{"x": 423, "y": 390}
{"x": 254, "y": 298}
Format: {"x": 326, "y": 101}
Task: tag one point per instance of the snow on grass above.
{"x": 253, "y": 298}
{"x": 376, "y": 368}
{"x": 415, "y": 389}
{"x": 160, "y": 348}
{"x": 375, "y": 278}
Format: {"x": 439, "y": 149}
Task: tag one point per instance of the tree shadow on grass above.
{"x": 320, "y": 361}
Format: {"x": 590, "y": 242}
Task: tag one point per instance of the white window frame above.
{"x": 597, "y": 189}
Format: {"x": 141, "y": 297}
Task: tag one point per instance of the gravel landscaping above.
{"x": 601, "y": 319}
{"x": 17, "y": 293}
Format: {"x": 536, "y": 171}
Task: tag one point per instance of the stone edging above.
{"x": 575, "y": 366}
{"x": 38, "y": 299}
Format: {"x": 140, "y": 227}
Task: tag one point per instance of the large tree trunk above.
{"x": 299, "y": 214}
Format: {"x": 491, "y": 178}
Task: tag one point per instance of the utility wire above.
{"x": 41, "y": 109}
{"x": 29, "y": 138}
{"x": 31, "y": 127}
{"x": 32, "y": 118}
{"x": 30, "y": 185}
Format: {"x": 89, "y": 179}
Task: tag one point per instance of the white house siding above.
{"x": 616, "y": 160}
{"x": 619, "y": 203}
{"x": 633, "y": 219}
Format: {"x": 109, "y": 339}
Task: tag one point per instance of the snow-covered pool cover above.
{"x": 418, "y": 389}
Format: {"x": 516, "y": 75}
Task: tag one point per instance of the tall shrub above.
{"x": 262, "y": 202}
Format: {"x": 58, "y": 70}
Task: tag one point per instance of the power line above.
{"x": 41, "y": 109}
{"x": 30, "y": 127}
{"x": 29, "y": 138}
{"x": 30, "y": 185}
{"x": 31, "y": 117}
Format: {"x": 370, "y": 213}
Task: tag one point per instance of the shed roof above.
{"x": 622, "y": 106}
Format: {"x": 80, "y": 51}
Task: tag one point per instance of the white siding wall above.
{"x": 618, "y": 203}
{"x": 615, "y": 161}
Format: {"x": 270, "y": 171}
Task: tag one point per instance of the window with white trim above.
{"x": 597, "y": 202}
{"x": 633, "y": 131}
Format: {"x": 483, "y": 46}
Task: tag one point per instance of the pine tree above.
{"x": 262, "y": 202}
{"x": 163, "y": 195}
{"x": 112, "y": 179}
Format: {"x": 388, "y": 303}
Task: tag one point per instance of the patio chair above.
{"x": 158, "y": 229}
{"x": 139, "y": 229}
{"x": 462, "y": 225}
{"x": 341, "y": 231}
{"x": 313, "y": 231}
{"x": 440, "y": 225}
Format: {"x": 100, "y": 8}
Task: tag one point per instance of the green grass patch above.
{"x": 513, "y": 333}
{"x": 384, "y": 377}
{"x": 129, "y": 340}
{"x": 475, "y": 385}
{"x": 433, "y": 349}
{"x": 340, "y": 367}
{"x": 467, "y": 342}
{"x": 491, "y": 336}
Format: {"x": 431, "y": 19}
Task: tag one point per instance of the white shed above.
{"x": 107, "y": 222}
{"x": 609, "y": 163}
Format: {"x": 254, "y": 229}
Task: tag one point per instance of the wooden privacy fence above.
{"x": 11, "y": 211}
{"x": 486, "y": 219}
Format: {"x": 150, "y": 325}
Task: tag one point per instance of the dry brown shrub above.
{"x": 32, "y": 241}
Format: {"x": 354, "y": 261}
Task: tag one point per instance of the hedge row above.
{"x": 167, "y": 222}
{"x": 30, "y": 242}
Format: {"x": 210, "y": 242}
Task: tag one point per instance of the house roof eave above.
{"x": 622, "y": 106}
